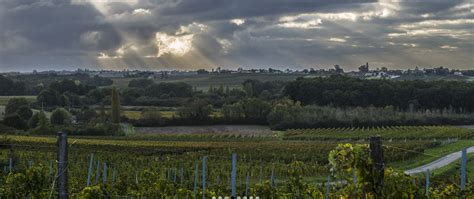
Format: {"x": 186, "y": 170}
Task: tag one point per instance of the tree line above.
{"x": 341, "y": 91}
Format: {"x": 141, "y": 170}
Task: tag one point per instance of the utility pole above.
{"x": 62, "y": 165}
{"x": 376, "y": 154}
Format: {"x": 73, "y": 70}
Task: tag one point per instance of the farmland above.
{"x": 136, "y": 159}
{"x": 161, "y": 138}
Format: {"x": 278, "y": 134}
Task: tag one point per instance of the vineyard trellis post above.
{"x": 247, "y": 185}
{"x": 62, "y": 165}
{"x": 114, "y": 173}
{"x": 10, "y": 164}
{"x": 104, "y": 174}
{"x": 272, "y": 177}
{"x": 234, "y": 174}
{"x": 204, "y": 167}
{"x": 196, "y": 175}
{"x": 327, "y": 187}
{"x": 427, "y": 183}
{"x": 376, "y": 154}
{"x": 463, "y": 168}
{"x": 97, "y": 173}
{"x": 89, "y": 170}
{"x": 354, "y": 180}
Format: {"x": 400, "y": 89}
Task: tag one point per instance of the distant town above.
{"x": 364, "y": 71}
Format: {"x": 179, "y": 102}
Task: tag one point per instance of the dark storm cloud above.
{"x": 148, "y": 34}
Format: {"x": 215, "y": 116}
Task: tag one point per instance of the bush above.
{"x": 32, "y": 183}
{"x": 102, "y": 129}
{"x": 15, "y": 121}
{"x": 197, "y": 110}
{"x": 61, "y": 117}
{"x": 152, "y": 116}
{"x": 14, "y": 104}
{"x": 24, "y": 112}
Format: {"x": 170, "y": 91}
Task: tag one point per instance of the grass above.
{"x": 4, "y": 99}
{"x": 453, "y": 169}
{"x": 433, "y": 154}
{"x": 165, "y": 114}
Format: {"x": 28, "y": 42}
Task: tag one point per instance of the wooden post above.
{"x": 463, "y": 168}
{"x": 376, "y": 153}
{"x": 62, "y": 165}
{"x": 233, "y": 175}
{"x": 204, "y": 159}
{"x": 89, "y": 170}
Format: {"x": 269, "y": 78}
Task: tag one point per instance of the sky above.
{"x": 193, "y": 34}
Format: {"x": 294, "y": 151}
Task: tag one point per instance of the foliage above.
{"x": 152, "y": 116}
{"x": 10, "y": 87}
{"x": 292, "y": 115}
{"x": 140, "y": 83}
{"x": 115, "y": 113}
{"x": 197, "y": 110}
{"x": 32, "y": 183}
{"x": 341, "y": 91}
{"x": 14, "y": 104}
{"x": 61, "y": 117}
{"x": 15, "y": 121}
{"x": 166, "y": 90}
{"x": 25, "y": 112}
{"x": 93, "y": 192}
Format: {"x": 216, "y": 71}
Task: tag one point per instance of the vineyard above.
{"x": 396, "y": 132}
{"x": 163, "y": 166}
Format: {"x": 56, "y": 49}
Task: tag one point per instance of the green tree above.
{"x": 14, "y": 104}
{"x": 115, "y": 113}
{"x": 233, "y": 111}
{"x": 25, "y": 112}
{"x": 15, "y": 121}
{"x": 256, "y": 109}
{"x": 33, "y": 121}
{"x": 61, "y": 117}
{"x": 198, "y": 110}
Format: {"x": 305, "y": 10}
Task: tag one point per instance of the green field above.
{"x": 4, "y": 99}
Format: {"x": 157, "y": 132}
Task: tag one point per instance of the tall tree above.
{"x": 115, "y": 106}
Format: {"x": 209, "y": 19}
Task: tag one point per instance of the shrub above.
{"x": 61, "y": 117}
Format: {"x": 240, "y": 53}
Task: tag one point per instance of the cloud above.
{"x": 335, "y": 39}
{"x": 183, "y": 34}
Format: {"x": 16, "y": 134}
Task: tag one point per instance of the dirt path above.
{"x": 441, "y": 162}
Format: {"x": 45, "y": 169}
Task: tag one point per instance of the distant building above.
{"x": 364, "y": 68}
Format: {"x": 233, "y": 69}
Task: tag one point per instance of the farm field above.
{"x": 172, "y": 157}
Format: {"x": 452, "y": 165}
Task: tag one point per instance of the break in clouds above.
{"x": 189, "y": 34}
